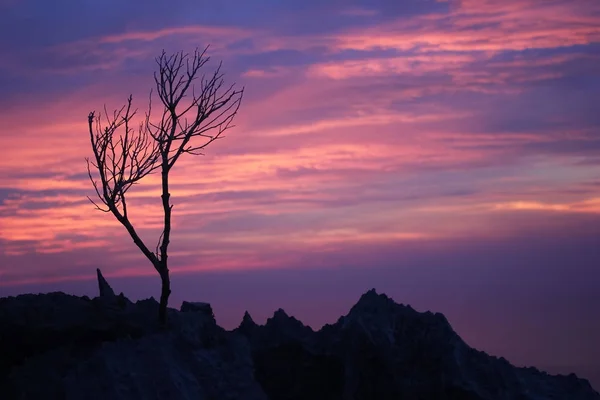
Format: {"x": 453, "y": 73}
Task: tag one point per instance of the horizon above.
{"x": 443, "y": 152}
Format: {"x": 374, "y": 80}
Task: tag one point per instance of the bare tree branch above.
{"x": 190, "y": 120}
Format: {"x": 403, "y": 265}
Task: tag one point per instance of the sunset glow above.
{"x": 400, "y": 136}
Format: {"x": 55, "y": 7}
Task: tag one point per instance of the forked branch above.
{"x": 190, "y": 126}
{"x": 121, "y": 159}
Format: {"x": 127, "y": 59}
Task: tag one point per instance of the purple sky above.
{"x": 446, "y": 153}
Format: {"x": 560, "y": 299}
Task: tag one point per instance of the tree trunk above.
{"x": 164, "y": 296}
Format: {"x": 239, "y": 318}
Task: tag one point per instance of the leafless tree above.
{"x": 191, "y": 118}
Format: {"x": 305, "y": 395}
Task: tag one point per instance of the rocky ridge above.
{"x": 57, "y": 346}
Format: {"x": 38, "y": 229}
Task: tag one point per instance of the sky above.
{"x": 446, "y": 153}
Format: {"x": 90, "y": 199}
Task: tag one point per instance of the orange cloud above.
{"x": 586, "y": 206}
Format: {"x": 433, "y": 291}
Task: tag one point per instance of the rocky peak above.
{"x": 376, "y": 311}
{"x": 281, "y": 321}
{"x": 280, "y": 315}
{"x": 280, "y": 328}
{"x": 378, "y": 304}
{"x": 247, "y": 321}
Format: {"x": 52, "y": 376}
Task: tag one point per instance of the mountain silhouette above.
{"x": 58, "y": 346}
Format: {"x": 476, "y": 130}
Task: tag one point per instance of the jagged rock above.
{"x": 56, "y": 346}
{"x": 280, "y": 329}
{"x": 384, "y": 350}
{"x": 67, "y": 347}
{"x": 123, "y": 302}
{"x": 247, "y": 325}
{"x": 105, "y": 289}
{"x": 286, "y": 327}
{"x": 247, "y": 320}
{"x": 147, "y": 303}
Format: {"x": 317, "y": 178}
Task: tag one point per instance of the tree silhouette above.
{"x": 190, "y": 120}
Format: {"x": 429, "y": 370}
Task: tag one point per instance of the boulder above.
{"x": 197, "y": 307}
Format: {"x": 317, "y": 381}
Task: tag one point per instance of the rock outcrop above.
{"x": 105, "y": 290}
{"x": 383, "y": 350}
{"x": 56, "y": 346}
{"x": 202, "y": 308}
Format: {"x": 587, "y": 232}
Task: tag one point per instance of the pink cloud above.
{"x": 485, "y": 26}
{"x": 346, "y": 143}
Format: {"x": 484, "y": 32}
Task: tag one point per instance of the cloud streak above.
{"x": 385, "y": 133}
